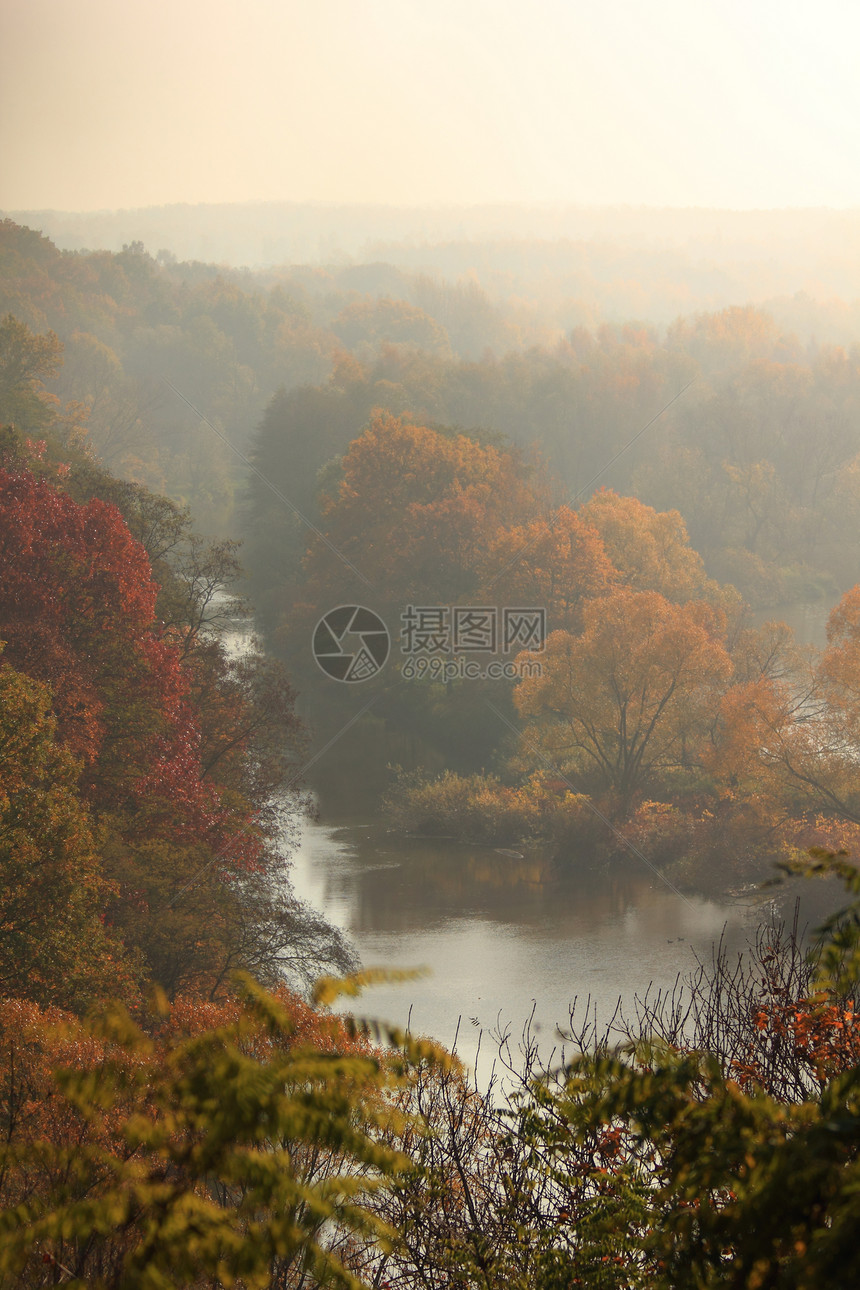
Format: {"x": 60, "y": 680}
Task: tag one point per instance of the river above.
{"x": 504, "y": 937}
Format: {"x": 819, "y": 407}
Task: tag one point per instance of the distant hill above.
{"x": 714, "y": 257}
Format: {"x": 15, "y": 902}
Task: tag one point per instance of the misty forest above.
{"x": 482, "y": 603}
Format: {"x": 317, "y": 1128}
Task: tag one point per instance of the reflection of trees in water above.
{"x": 413, "y": 883}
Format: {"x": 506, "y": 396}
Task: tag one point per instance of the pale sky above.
{"x": 731, "y": 103}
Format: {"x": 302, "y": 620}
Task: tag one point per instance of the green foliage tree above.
{"x": 26, "y": 363}
{"x": 53, "y": 890}
{"x": 238, "y": 1146}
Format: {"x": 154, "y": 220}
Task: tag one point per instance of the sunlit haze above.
{"x": 741, "y": 103}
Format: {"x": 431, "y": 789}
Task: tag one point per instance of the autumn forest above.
{"x": 578, "y": 534}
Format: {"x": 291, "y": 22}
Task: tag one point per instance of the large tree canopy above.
{"x": 633, "y": 695}
{"x": 179, "y": 749}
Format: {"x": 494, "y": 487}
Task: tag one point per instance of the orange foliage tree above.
{"x": 810, "y": 741}
{"x": 631, "y": 699}
{"x": 558, "y": 563}
{"x": 650, "y": 549}
{"x": 416, "y": 512}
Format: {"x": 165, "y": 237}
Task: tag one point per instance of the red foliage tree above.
{"x": 77, "y": 611}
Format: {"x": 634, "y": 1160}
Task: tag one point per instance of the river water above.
{"x": 503, "y": 937}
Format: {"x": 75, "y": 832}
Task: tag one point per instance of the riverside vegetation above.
{"x": 179, "y": 1106}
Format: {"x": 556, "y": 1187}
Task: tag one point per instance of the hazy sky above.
{"x": 118, "y": 103}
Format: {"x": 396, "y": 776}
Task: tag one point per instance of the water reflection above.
{"x": 504, "y": 935}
